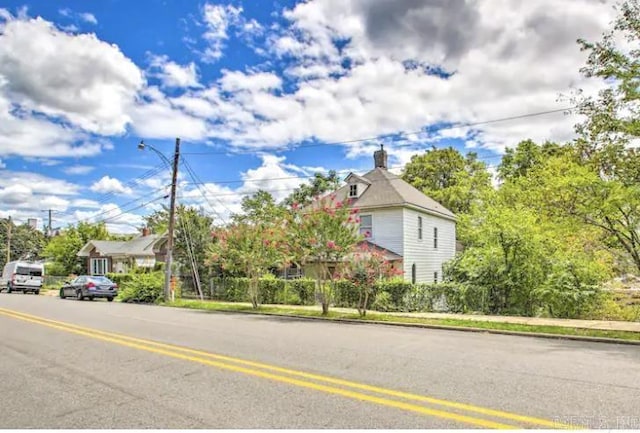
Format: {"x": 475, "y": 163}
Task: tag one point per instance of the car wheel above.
{"x": 91, "y": 298}
{"x": 80, "y": 295}
{"x": 62, "y": 295}
{"x": 36, "y": 292}
{"x": 110, "y": 299}
{"x": 8, "y": 288}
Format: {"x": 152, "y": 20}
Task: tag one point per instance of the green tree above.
{"x": 526, "y": 155}
{"x": 259, "y": 207}
{"x": 613, "y": 117}
{"x": 251, "y": 249}
{"x": 62, "y": 250}
{"x": 455, "y": 181}
{"x": 193, "y": 239}
{"x": 321, "y": 236}
{"x": 27, "y": 243}
{"x": 364, "y": 268}
{"x": 305, "y": 194}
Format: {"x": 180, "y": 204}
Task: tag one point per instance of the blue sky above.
{"x": 262, "y": 90}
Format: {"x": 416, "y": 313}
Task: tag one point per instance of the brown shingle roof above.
{"x": 388, "y": 189}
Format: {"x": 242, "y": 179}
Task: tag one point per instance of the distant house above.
{"x": 414, "y": 231}
{"x": 121, "y": 256}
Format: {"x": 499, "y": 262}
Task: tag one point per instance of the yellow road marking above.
{"x": 156, "y": 347}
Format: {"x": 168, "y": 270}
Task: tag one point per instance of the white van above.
{"x": 22, "y": 276}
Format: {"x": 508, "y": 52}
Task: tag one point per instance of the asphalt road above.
{"x": 70, "y": 364}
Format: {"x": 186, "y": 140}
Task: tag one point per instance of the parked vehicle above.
{"x": 89, "y": 287}
{"x": 20, "y": 276}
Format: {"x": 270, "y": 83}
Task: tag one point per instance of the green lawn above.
{"x": 381, "y": 317}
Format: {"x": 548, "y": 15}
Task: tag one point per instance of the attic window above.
{"x": 353, "y": 190}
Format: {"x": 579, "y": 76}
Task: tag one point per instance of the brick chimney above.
{"x": 380, "y": 158}
{"x": 146, "y": 231}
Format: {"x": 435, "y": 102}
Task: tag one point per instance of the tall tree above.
{"x": 27, "y": 243}
{"x": 62, "y": 250}
{"x": 320, "y": 184}
{"x": 454, "y": 180}
{"x": 526, "y": 155}
{"x": 613, "y": 116}
{"x": 260, "y": 206}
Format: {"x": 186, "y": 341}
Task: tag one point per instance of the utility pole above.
{"x": 172, "y": 218}
{"x": 9, "y": 225}
{"x": 50, "y": 229}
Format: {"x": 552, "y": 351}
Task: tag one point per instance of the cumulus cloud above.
{"x": 49, "y": 71}
{"x": 218, "y": 19}
{"x": 110, "y": 185}
{"x": 172, "y": 74}
{"x": 357, "y": 69}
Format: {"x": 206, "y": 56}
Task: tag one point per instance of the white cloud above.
{"x": 78, "y": 169}
{"x": 25, "y": 195}
{"x": 172, "y": 74}
{"x": 362, "y": 69}
{"x": 158, "y": 117}
{"x": 117, "y": 220}
{"x": 110, "y": 185}
{"x": 217, "y": 19}
{"x": 79, "y": 78}
{"x": 88, "y": 17}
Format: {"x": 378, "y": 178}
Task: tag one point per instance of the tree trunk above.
{"x": 325, "y": 307}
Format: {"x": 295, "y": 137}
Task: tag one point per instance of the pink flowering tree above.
{"x": 319, "y": 238}
{"x": 251, "y": 249}
{"x": 364, "y": 268}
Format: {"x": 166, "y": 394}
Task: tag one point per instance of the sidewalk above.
{"x": 603, "y": 325}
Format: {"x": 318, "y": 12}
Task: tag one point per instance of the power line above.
{"x": 404, "y": 133}
{"x": 198, "y": 183}
{"x": 119, "y": 206}
{"x": 133, "y": 182}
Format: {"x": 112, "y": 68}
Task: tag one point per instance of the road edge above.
{"x": 431, "y": 326}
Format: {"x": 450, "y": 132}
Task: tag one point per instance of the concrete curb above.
{"x": 441, "y": 327}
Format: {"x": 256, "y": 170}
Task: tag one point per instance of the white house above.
{"x": 401, "y": 219}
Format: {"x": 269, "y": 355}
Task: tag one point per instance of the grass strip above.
{"x": 382, "y": 317}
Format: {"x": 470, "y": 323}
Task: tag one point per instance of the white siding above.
{"x": 387, "y": 228}
{"x": 421, "y": 252}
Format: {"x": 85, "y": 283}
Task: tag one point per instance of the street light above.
{"x": 172, "y": 211}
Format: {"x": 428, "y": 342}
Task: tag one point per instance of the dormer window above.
{"x": 353, "y": 190}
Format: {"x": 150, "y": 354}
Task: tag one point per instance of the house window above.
{"x": 99, "y": 266}
{"x": 435, "y": 277}
{"x": 413, "y": 273}
{"x": 435, "y": 238}
{"x": 366, "y": 226}
{"x": 353, "y": 190}
{"x": 420, "y": 227}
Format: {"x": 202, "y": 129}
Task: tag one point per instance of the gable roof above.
{"x": 140, "y": 246}
{"x": 387, "y": 189}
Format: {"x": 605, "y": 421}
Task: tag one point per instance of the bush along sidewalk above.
{"x": 378, "y": 317}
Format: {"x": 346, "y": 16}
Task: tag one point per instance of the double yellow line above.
{"x": 458, "y": 412}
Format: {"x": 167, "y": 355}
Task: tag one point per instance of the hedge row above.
{"x": 395, "y": 295}
{"x": 272, "y": 290}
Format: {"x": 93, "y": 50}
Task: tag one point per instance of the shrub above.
{"x": 269, "y": 287}
{"x": 383, "y": 302}
{"x": 396, "y": 289}
{"x": 606, "y": 308}
{"x": 143, "y": 289}
{"x": 345, "y": 294}
{"x": 285, "y": 295}
{"x": 120, "y": 279}
{"x": 305, "y": 289}
{"x": 231, "y": 289}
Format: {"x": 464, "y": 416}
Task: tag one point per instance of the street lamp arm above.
{"x": 144, "y": 145}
